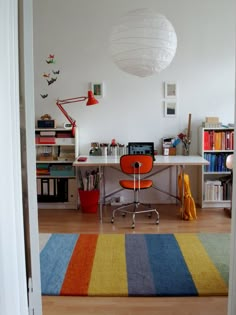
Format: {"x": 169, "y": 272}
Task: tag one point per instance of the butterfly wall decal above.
{"x": 56, "y": 72}
{"x": 46, "y": 75}
{"x": 44, "y": 95}
{"x": 51, "y": 81}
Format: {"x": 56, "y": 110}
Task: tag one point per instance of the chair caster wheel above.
{"x": 112, "y": 221}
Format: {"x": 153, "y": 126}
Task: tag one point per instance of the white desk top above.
{"x": 161, "y": 160}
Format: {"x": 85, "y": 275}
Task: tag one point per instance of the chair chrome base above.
{"x": 134, "y": 212}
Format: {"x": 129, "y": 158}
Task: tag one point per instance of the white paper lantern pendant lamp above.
{"x": 144, "y": 43}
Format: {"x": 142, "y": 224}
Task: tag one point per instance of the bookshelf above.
{"x": 215, "y": 144}
{"x": 56, "y": 150}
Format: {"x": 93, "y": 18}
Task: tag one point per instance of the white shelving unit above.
{"x": 215, "y": 144}
{"x": 56, "y": 150}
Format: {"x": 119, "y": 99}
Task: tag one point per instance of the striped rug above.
{"x": 134, "y": 264}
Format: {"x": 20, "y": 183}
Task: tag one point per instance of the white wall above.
{"x": 78, "y": 31}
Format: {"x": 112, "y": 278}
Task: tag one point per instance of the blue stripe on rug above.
{"x": 140, "y": 278}
{"x": 169, "y": 277}
{"x": 55, "y": 258}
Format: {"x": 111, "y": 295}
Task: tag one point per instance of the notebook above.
{"x": 141, "y": 148}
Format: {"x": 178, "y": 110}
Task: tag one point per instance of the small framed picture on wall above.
{"x": 170, "y": 108}
{"x": 170, "y": 89}
{"x": 97, "y": 89}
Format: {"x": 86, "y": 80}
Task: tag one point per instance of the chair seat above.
{"x": 129, "y": 184}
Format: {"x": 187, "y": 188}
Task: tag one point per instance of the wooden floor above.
{"x": 73, "y": 221}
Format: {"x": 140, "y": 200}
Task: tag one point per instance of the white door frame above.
{"x": 13, "y": 289}
{"x": 28, "y": 155}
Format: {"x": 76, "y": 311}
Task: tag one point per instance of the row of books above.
{"x": 54, "y": 133}
{"x": 54, "y": 153}
{"x": 211, "y": 125}
{"x": 57, "y": 190}
{"x": 52, "y": 189}
{"x": 53, "y": 137}
{"x": 54, "y": 140}
{"x": 218, "y": 190}
{"x": 217, "y": 162}
{"x": 45, "y": 169}
{"x": 218, "y": 140}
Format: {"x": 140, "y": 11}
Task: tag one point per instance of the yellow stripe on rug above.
{"x": 109, "y": 274}
{"x": 206, "y": 277}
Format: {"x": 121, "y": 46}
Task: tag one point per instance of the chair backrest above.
{"x": 136, "y": 163}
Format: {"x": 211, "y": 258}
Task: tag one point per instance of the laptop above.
{"x": 141, "y": 148}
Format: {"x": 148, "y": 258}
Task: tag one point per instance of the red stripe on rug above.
{"x": 79, "y": 269}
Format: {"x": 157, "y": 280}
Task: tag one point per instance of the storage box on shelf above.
{"x": 56, "y": 150}
{"x": 215, "y": 144}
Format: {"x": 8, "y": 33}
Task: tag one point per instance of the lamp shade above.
{"x": 91, "y": 99}
{"x": 143, "y": 43}
{"x": 230, "y": 161}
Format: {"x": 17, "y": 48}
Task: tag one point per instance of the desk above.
{"x": 178, "y": 161}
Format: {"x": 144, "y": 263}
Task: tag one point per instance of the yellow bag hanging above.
{"x": 189, "y": 212}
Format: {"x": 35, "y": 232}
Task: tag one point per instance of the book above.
{"x": 48, "y": 133}
{"x": 206, "y": 140}
{"x": 212, "y": 120}
{"x": 212, "y": 125}
{"x": 47, "y": 140}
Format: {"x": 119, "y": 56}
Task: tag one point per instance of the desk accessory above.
{"x": 67, "y": 126}
{"x": 46, "y": 121}
{"x": 82, "y": 159}
{"x": 91, "y": 100}
{"x": 141, "y": 148}
{"x": 186, "y": 137}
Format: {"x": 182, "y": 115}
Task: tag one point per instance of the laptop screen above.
{"x": 141, "y": 148}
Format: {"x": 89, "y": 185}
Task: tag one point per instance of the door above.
{"x": 28, "y": 160}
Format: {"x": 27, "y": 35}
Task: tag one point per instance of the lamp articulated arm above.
{"x": 91, "y": 101}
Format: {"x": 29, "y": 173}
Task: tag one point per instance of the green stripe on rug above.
{"x": 206, "y": 276}
{"x": 217, "y": 246}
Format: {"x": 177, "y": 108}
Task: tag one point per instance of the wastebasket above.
{"x": 89, "y": 200}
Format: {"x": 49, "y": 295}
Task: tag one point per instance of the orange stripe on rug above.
{"x": 78, "y": 273}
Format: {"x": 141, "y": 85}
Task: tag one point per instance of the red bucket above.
{"x": 89, "y": 200}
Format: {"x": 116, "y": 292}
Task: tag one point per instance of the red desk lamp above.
{"x": 91, "y": 100}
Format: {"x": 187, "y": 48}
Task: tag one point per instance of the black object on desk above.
{"x": 141, "y": 148}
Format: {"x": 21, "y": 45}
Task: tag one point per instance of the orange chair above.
{"x": 135, "y": 166}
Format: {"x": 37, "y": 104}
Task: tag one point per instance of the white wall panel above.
{"x": 78, "y": 32}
